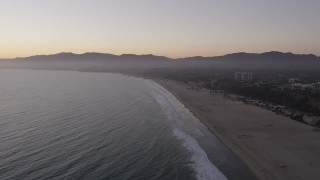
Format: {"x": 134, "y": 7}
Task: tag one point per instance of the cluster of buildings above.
{"x": 295, "y": 84}
{"x": 217, "y": 91}
{"x": 243, "y": 76}
{"x": 283, "y": 110}
{"x": 197, "y": 85}
{"x": 200, "y": 86}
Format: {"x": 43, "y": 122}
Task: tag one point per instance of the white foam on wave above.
{"x": 202, "y": 165}
{"x": 186, "y": 128}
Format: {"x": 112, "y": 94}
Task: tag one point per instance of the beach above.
{"x": 272, "y": 146}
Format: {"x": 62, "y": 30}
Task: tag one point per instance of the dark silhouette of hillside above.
{"x": 268, "y": 60}
{"x": 92, "y": 56}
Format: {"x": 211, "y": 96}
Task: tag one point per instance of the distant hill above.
{"x": 267, "y": 60}
{"x": 242, "y": 56}
{"x": 271, "y": 59}
{"x": 87, "y": 61}
{"x": 271, "y": 56}
{"x": 92, "y": 56}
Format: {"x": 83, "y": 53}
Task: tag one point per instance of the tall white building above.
{"x": 316, "y": 87}
{"x": 238, "y": 76}
{"x": 243, "y": 76}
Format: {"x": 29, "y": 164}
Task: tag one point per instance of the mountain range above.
{"x": 242, "y": 60}
{"x": 272, "y": 55}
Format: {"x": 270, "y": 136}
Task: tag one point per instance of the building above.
{"x": 316, "y": 87}
{"x": 238, "y": 76}
{"x": 302, "y": 87}
{"x": 311, "y": 120}
{"x": 296, "y": 86}
{"x": 243, "y": 76}
{"x": 213, "y": 83}
{"x": 294, "y": 80}
{"x": 247, "y": 77}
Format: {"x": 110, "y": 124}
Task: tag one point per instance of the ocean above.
{"x": 80, "y": 125}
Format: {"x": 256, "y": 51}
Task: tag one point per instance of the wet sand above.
{"x": 273, "y": 146}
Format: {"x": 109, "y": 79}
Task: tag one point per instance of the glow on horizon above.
{"x": 173, "y": 28}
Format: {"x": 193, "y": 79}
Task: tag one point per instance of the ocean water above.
{"x": 78, "y": 125}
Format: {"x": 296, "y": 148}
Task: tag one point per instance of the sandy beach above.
{"x": 273, "y": 146}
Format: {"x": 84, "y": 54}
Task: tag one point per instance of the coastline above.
{"x": 272, "y": 146}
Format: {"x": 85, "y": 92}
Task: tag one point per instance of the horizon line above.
{"x": 263, "y": 52}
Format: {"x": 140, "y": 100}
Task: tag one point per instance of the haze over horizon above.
{"x": 170, "y": 28}
{"x": 159, "y": 55}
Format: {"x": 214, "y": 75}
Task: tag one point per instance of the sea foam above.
{"x": 186, "y": 128}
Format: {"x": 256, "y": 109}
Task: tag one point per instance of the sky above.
{"x": 173, "y": 28}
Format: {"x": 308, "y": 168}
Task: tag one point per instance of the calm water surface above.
{"x": 77, "y": 125}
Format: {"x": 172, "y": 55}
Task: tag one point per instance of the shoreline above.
{"x": 272, "y": 146}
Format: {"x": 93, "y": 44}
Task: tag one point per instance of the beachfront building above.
{"x": 243, "y": 76}
{"x": 311, "y": 120}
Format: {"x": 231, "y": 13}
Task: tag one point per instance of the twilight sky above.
{"x": 174, "y": 28}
